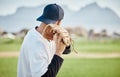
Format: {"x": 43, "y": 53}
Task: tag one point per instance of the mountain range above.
{"x": 91, "y": 16}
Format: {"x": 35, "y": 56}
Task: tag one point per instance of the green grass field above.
{"x": 81, "y": 45}
{"x": 84, "y": 45}
{"x": 10, "y": 45}
{"x": 8, "y": 67}
{"x": 72, "y": 67}
{"x": 90, "y": 68}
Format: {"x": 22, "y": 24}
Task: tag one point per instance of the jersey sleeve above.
{"x": 38, "y": 60}
{"x": 54, "y": 67}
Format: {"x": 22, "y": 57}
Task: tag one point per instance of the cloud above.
{"x": 10, "y": 6}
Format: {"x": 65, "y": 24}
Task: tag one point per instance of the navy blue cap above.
{"x": 51, "y": 14}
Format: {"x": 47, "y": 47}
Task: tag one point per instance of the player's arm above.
{"x": 54, "y": 66}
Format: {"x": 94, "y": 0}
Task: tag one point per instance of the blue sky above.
{"x": 10, "y": 6}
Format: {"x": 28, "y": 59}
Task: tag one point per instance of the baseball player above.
{"x": 43, "y": 46}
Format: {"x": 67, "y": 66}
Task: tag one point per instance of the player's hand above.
{"x": 60, "y": 38}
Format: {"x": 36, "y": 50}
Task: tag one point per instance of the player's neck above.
{"x": 41, "y": 28}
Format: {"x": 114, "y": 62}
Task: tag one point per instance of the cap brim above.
{"x": 45, "y": 20}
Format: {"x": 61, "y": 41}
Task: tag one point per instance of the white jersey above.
{"x": 35, "y": 55}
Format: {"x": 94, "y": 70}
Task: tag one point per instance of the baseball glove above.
{"x": 52, "y": 28}
{"x": 66, "y": 39}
